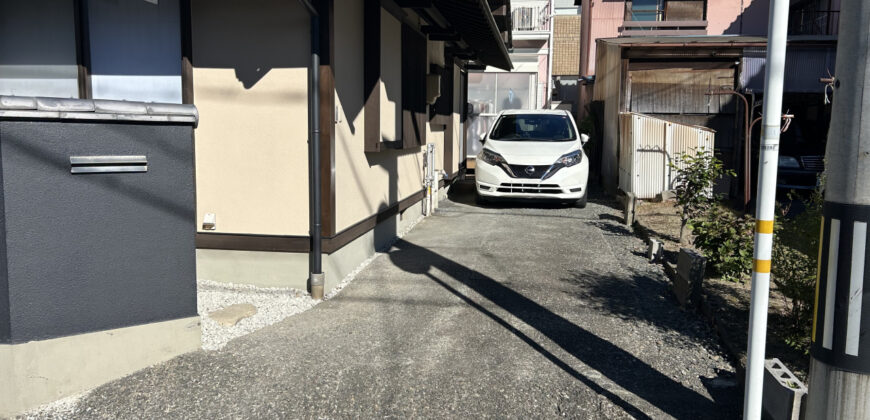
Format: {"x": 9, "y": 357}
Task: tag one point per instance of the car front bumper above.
{"x": 566, "y": 184}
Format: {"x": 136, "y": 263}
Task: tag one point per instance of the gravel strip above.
{"x": 273, "y": 304}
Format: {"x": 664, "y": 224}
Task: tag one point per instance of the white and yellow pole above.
{"x": 765, "y": 205}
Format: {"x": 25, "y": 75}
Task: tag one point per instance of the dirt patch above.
{"x": 727, "y": 302}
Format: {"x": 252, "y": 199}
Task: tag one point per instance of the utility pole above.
{"x": 839, "y": 382}
{"x": 767, "y": 167}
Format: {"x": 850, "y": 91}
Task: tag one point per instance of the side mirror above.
{"x": 482, "y": 138}
{"x": 584, "y": 138}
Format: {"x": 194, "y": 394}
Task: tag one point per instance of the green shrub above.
{"x": 794, "y": 265}
{"x": 693, "y": 185}
{"x": 726, "y": 240}
{"x": 794, "y": 274}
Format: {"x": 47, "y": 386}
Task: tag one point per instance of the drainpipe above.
{"x": 552, "y": 14}
{"x": 315, "y": 276}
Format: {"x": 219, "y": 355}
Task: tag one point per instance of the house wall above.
{"x": 607, "y": 17}
{"x": 365, "y": 183}
{"x": 566, "y": 45}
{"x": 250, "y": 87}
{"x": 607, "y": 89}
{"x": 391, "y": 75}
{"x": 458, "y": 126}
{"x": 728, "y": 17}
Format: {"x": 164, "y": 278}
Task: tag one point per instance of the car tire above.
{"x": 480, "y": 200}
{"x": 581, "y": 203}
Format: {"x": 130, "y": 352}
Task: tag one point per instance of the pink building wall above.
{"x": 724, "y": 17}
{"x": 607, "y": 17}
{"x": 737, "y": 17}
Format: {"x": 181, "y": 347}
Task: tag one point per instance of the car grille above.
{"x": 519, "y": 171}
{"x": 530, "y": 188}
{"x": 813, "y": 163}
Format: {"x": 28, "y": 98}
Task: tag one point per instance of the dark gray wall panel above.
{"x": 96, "y": 251}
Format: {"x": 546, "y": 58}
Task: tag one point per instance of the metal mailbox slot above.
{"x": 107, "y": 164}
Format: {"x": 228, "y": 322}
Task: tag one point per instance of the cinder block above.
{"x": 628, "y": 212}
{"x": 783, "y": 393}
{"x": 690, "y": 275}
{"x": 654, "y": 251}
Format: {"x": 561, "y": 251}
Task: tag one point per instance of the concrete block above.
{"x": 783, "y": 394}
{"x": 231, "y": 315}
{"x": 690, "y": 275}
{"x": 655, "y": 249}
{"x": 628, "y": 212}
{"x": 666, "y": 195}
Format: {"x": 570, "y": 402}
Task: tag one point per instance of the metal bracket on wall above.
{"x": 107, "y": 164}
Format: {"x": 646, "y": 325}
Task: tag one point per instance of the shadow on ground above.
{"x": 623, "y": 368}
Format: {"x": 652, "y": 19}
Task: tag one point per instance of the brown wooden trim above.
{"x": 372, "y": 74}
{"x": 186, "y": 52}
{"x": 83, "y": 48}
{"x": 346, "y": 236}
{"x": 243, "y": 242}
{"x": 278, "y": 243}
{"x": 327, "y": 118}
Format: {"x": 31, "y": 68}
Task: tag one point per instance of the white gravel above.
{"x": 273, "y": 304}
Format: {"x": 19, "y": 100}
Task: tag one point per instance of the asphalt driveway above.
{"x": 480, "y": 312}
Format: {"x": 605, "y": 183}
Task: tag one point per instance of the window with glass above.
{"x": 491, "y": 93}
{"x": 125, "y": 50}
{"x": 533, "y": 127}
{"x": 646, "y": 10}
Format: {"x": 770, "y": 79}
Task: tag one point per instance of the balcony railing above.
{"x": 814, "y": 22}
{"x": 530, "y": 19}
{"x": 663, "y": 27}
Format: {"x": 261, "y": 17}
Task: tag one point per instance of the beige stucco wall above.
{"x": 364, "y": 182}
{"x": 250, "y": 86}
{"x": 391, "y": 76}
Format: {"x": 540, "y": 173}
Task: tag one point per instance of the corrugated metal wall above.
{"x": 680, "y": 90}
{"x": 648, "y": 145}
{"x": 803, "y": 67}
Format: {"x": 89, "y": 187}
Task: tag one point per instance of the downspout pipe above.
{"x": 315, "y": 253}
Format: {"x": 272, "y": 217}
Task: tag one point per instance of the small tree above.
{"x": 693, "y": 185}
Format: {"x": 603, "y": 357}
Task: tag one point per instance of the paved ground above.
{"x": 497, "y": 312}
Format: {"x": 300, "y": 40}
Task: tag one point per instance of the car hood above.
{"x": 532, "y": 152}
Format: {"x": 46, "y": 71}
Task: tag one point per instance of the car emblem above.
{"x": 530, "y": 170}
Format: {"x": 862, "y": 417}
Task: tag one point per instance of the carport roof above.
{"x": 474, "y": 22}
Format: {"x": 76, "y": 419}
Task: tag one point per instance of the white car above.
{"x": 533, "y": 155}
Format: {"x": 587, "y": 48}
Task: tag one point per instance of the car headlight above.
{"x": 491, "y": 157}
{"x": 570, "y": 159}
{"x": 788, "y": 162}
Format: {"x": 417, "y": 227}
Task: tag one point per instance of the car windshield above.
{"x": 533, "y": 127}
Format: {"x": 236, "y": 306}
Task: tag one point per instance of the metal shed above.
{"x": 647, "y": 146}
